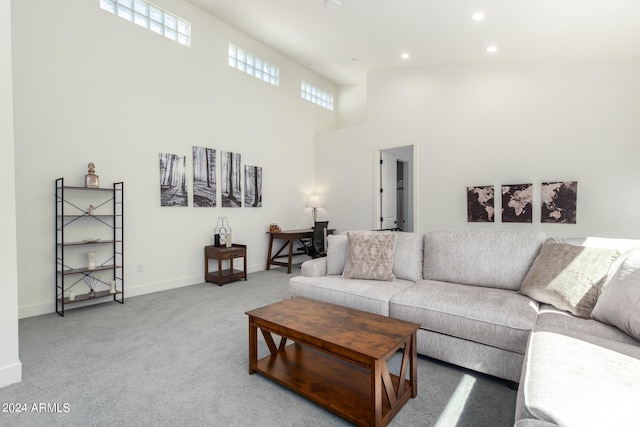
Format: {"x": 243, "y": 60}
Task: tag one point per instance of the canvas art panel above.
{"x": 559, "y": 202}
{"x": 517, "y": 203}
{"x": 230, "y": 177}
{"x": 480, "y": 204}
{"x": 252, "y": 186}
{"x": 173, "y": 180}
{"x": 204, "y": 177}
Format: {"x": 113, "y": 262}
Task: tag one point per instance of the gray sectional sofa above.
{"x": 559, "y": 317}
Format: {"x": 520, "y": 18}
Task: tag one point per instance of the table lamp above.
{"x": 314, "y": 203}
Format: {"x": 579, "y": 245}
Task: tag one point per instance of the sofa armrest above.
{"x": 314, "y": 267}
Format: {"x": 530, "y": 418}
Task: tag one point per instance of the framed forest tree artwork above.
{"x": 252, "y": 186}
{"x": 204, "y": 177}
{"x": 173, "y": 180}
{"x": 230, "y": 175}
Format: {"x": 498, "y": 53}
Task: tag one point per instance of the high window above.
{"x": 317, "y": 96}
{"x": 151, "y": 17}
{"x": 254, "y": 66}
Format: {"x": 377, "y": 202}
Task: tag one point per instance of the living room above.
{"x": 90, "y": 87}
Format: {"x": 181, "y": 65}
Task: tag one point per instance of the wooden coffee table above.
{"x": 338, "y": 358}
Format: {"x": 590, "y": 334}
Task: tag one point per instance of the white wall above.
{"x": 10, "y": 366}
{"x": 92, "y": 87}
{"x": 494, "y": 125}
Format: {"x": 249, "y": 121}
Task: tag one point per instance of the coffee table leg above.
{"x": 253, "y": 346}
{"x": 376, "y": 384}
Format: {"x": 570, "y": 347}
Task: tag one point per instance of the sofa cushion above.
{"x": 368, "y": 295}
{"x": 567, "y": 276}
{"x": 407, "y": 255}
{"x": 490, "y": 258}
{"x": 553, "y": 318}
{"x": 370, "y": 256}
{"x": 580, "y": 380}
{"x": 496, "y": 317}
{"x": 619, "y": 302}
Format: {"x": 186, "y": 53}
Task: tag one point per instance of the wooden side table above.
{"x": 223, "y": 253}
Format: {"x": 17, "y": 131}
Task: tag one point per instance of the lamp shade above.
{"x": 314, "y": 202}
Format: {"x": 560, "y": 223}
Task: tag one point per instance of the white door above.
{"x": 388, "y": 191}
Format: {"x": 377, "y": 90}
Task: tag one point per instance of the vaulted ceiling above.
{"x": 343, "y": 39}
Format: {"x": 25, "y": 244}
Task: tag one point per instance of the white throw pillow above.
{"x": 337, "y": 251}
{"x": 619, "y": 302}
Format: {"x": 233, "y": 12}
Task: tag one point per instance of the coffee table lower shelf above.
{"x": 339, "y": 386}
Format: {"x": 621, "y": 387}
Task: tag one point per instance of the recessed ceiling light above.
{"x": 492, "y": 49}
{"x": 478, "y": 16}
{"x": 405, "y": 56}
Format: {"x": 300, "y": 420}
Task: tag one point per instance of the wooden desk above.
{"x": 290, "y": 237}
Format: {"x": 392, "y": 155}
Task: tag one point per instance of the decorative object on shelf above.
{"x": 227, "y": 237}
{"x": 112, "y": 287}
{"x": 480, "y": 204}
{"x": 91, "y": 283}
{"x": 314, "y": 204}
{"x": 216, "y": 233}
{"x": 90, "y": 211}
{"x": 252, "y": 186}
{"x": 91, "y": 258}
{"x": 72, "y": 295}
{"x": 274, "y": 228}
{"x": 91, "y": 180}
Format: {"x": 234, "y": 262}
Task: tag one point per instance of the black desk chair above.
{"x": 316, "y": 247}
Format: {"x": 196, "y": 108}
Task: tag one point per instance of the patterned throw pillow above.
{"x": 370, "y": 256}
{"x": 567, "y": 276}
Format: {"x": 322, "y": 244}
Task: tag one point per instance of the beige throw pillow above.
{"x": 619, "y": 302}
{"x": 568, "y": 276}
{"x": 370, "y": 256}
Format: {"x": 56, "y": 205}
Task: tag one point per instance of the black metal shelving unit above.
{"x": 70, "y": 214}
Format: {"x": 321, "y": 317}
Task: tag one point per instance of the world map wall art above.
{"x": 480, "y": 204}
{"x": 517, "y": 203}
{"x": 558, "y": 201}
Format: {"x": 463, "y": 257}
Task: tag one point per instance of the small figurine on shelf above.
{"x": 91, "y": 283}
{"x": 91, "y": 179}
{"x": 91, "y": 258}
{"x": 90, "y": 211}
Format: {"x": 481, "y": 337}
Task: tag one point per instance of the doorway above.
{"x": 395, "y": 187}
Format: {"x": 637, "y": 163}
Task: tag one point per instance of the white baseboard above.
{"x": 11, "y": 374}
